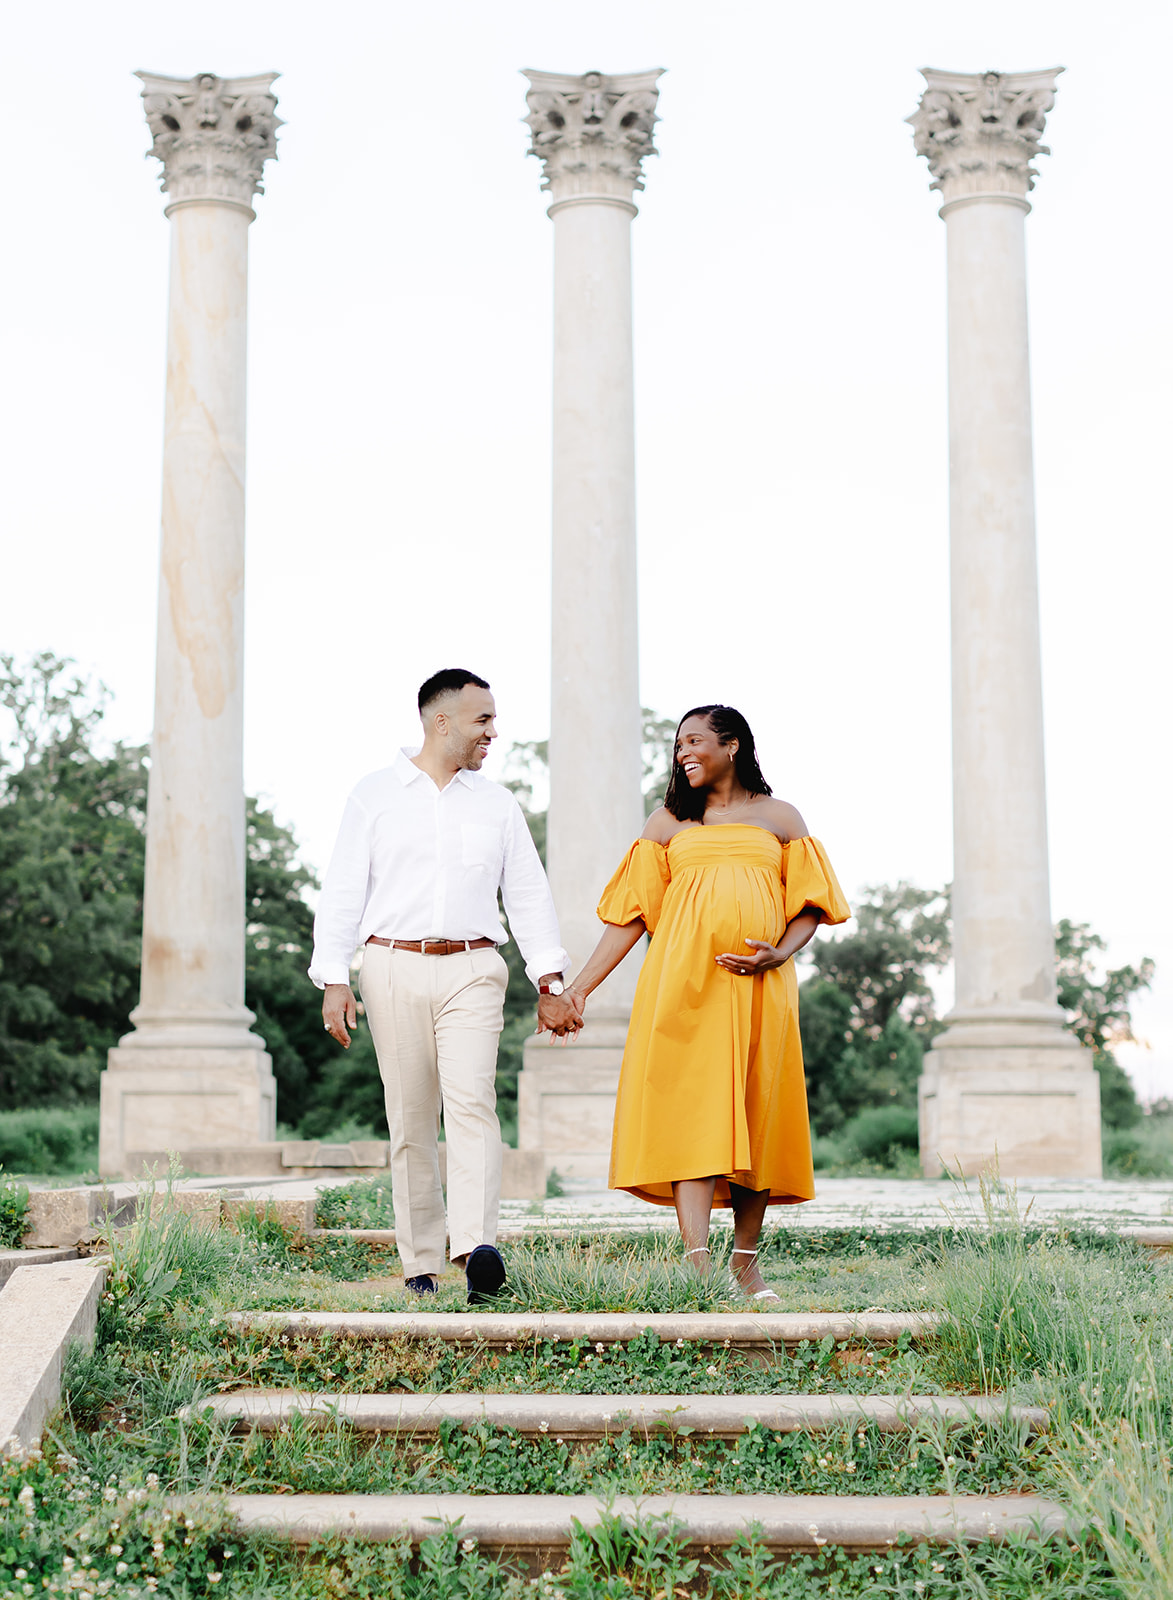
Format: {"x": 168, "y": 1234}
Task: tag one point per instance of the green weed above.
{"x": 14, "y": 1204}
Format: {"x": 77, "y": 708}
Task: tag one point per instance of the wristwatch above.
{"x": 555, "y": 986}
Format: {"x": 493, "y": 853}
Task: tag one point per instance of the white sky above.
{"x": 790, "y": 362}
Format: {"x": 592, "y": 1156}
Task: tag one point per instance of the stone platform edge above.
{"x": 43, "y": 1310}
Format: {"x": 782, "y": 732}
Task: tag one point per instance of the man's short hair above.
{"x": 451, "y": 681}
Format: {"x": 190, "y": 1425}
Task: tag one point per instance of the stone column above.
{"x": 1005, "y": 1081}
{"x": 591, "y": 134}
{"x": 192, "y": 1075}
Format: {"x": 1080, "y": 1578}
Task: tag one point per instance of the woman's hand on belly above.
{"x": 760, "y": 957}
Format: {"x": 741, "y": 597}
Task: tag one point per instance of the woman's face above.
{"x": 700, "y": 753}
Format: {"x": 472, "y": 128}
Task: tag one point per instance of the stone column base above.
{"x": 566, "y": 1101}
{"x": 1031, "y": 1111}
{"x": 161, "y": 1098}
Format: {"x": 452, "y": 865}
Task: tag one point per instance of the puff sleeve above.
{"x": 637, "y": 889}
{"x": 809, "y": 882}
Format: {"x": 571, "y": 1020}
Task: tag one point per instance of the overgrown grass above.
{"x": 1080, "y": 1323}
{"x": 366, "y": 1203}
{"x": 50, "y": 1142}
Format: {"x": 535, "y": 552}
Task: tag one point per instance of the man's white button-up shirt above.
{"x": 416, "y": 862}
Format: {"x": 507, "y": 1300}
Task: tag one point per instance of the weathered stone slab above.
{"x": 592, "y": 1416}
{"x": 219, "y": 1161}
{"x": 64, "y": 1217}
{"x": 201, "y": 1204}
{"x": 43, "y": 1310}
{"x": 750, "y": 1330}
{"x": 295, "y": 1215}
{"x": 10, "y": 1260}
{"x": 531, "y": 1523}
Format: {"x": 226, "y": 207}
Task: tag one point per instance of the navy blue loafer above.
{"x": 421, "y": 1285}
{"x": 484, "y": 1272}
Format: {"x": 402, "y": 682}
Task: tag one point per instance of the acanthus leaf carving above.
{"x": 213, "y": 135}
{"x": 592, "y": 132}
{"x": 980, "y": 131}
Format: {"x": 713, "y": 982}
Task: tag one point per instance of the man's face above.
{"x": 470, "y": 727}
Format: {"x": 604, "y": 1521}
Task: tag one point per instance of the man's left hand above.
{"x": 557, "y": 1015}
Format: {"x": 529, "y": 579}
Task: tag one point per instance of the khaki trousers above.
{"x": 435, "y": 1021}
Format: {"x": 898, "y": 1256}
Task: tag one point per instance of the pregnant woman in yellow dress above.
{"x": 711, "y": 1109}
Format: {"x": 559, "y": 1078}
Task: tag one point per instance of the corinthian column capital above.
{"x": 591, "y": 133}
{"x": 980, "y": 131}
{"x": 213, "y": 135}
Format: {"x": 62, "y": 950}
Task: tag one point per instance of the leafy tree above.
{"x": 867, "y": 1016}
{"x": 71, "y": 866}
{"x": 72, "y": 830}
{"x": 1099, "y": 1013}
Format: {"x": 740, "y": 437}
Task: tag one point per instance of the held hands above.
{"x": 339, "y": 1012}
{"x": 762, "y": 958}
{"x": 560, "y": 1015}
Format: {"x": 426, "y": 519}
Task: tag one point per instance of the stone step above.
{"x": 530, "y": 1525}
{"x": 592, "y": 1416}
{"x": 10, "y": 1260}
{"x": 761, "y": 1331}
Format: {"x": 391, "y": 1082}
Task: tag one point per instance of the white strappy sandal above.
{"x": 700, "y": 1250}
{"x": 763, "y": 1296}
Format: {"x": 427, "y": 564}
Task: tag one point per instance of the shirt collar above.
{"x": 407, "y": 771}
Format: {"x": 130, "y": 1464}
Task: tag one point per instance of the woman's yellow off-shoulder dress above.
{"x": 712, "y": 1078}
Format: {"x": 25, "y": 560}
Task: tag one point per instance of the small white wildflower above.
{"x": 712, "y": 1371}
{"x": 680, "y": 1344}
{"x": 950, "y": 1462}
{"x": 557, "y": 1441}
{"x": 20, "y": 1573}
{"x": 468, "y": 1546}
{"x": 121, "y": 1569}
{"x": 850, "y": 1467}
{"x": 543, "y": 1427}
{"x": 600, "y": 1348}
{"x": 214, "y": 1577}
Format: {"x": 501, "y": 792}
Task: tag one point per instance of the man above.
{"x": 423, "y": 848}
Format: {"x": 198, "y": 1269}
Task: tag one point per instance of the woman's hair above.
{"x": 688, "y": 804}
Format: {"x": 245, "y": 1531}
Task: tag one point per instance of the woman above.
{"x": 711, "y": 1109}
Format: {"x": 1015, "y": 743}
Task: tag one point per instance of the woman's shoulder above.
{"x": 780, "y": 817}
{"x": 661, "y": 826}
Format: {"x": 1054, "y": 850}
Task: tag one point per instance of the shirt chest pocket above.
{"x": 481, "y": 848}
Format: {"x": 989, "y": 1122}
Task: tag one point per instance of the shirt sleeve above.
{"x": 344, "y": 898}
{"x": 529, "y": 904}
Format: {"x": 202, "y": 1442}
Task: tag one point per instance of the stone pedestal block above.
{"x": 566, "y": 1101}
{"x": 1028, "y": 1112}
{"x": 176, "y": 1100}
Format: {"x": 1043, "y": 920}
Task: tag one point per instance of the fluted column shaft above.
{"x": 595, "y": 760}
{"x": 1002, "y": 939}
{"x": 193, "y": 910}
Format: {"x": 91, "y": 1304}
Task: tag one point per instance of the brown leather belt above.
{"x": 434, "y": 947}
